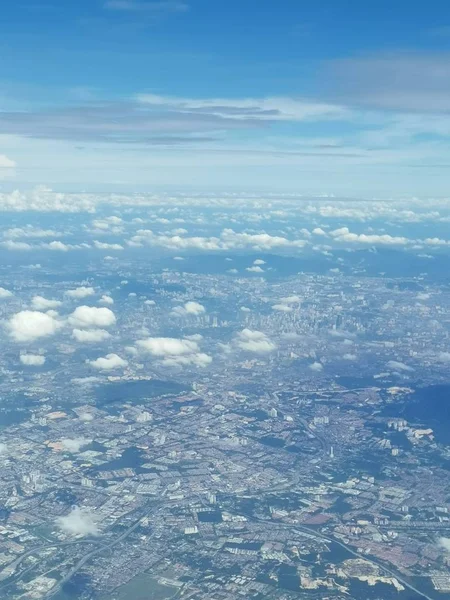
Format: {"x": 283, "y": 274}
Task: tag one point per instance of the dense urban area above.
{"x": 245, "y": 411}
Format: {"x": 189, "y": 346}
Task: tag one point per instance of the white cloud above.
{"x": 4, "y": 293}
{"x": 444, "y": 357}
{"x": 316, "y": 367}
{"x": 108, "y": 362}
{"x": 74, "y": 444}
{"x": 259, "y": 261}
{"x": 269, "y": 108}
{"x": 175, "y": 352}
{"x": 444, "y": 543}
{"x": 105, "y": 246}
{"x": 319, "y": 231}
{"x": 151, "y": 8}
{"x": 254, "y": 341}
{"x": 32, "y": 360}
{"x": 43, "y": 199}
{"x": 41, "y": 303}
{"x": 350, "y": 357}
{"x": 285, "y": 304}
{"x": 105, "y": 299}
{"x": 3, "y": 448}
{"x": 29, "y": 231}
{"x": 282, "y": 308}
{"x": 345, "y": 235}
{"x": 6, "y": 163}
{"x": 90, "y": 335}
{"x": 81, "y": 292}
{"x": 86, "y": 317}
{"x": 245, "y": 309}
{"x": 78, "y": 522}
{"x": 290, "y": 300}
{"x": 423, "y": 296}
{"x": 150, "y": 302}
{"x": 189, "y": 308}
{"x": 86, "y": 381}
{"x": 57, "y": 246}
{"x": 255, "y": 269}
{"x": 28, "y": 325}
{"x": 399, "y": 366}
{"x": 86, "y": 417}
{"x": 228, "y": 240}
{"x": 12, "y": 245}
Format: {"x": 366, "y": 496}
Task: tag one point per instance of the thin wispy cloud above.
{"x": 164, "y": 6}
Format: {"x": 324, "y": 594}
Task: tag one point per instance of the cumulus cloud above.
{"x": 189, "y": 308}
{"x": 29, "y": 231}
{"x": 444, "y": 357}
{"x": 195, "y": 337}
{"x": 4, "y": 293}
{"x": 74, "y": 444}
{"x": 29, "y": 325}
{"x": 90, "y": 335}
{"x": 105, "y": 246}
{"x": 316, "y": 367}
{"x": 105, "y": 299}
{"x": 319, "y": 231}
{"x": 255, "y": 269}
{"x": 3, "y": 448}
{"x": 32, "y": 360}
{"x": 350, "y": 357}
{"x": 86, "y": 417}
{"x": 245, "y": 309}
{"x": 259, "y": 261}
{"x": 175, "y": 352}
{"x": 254, "y": 341}
{"x": 345, "y": 235}
{"x": 57, "y": 246}
{"x": 109, "y": 362}
{"x": 78, "y": 522}
{"x": 81, "y": 292}
{"x": 6, "y": 163}
{"x": 86, "y": 317}
{"x": 399, "y": 366}
{"x": 444, "y": 543}
{"x": 423, "y": 296}
{"x": 12, "y": 245}
{"x": 41, "y": 303}
{"x": 285, "y": 304}
{"x": 291, "y": 300}
{"x": 282, "y": 307}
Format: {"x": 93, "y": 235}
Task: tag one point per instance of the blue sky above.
{"x": 342, "y": 98}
